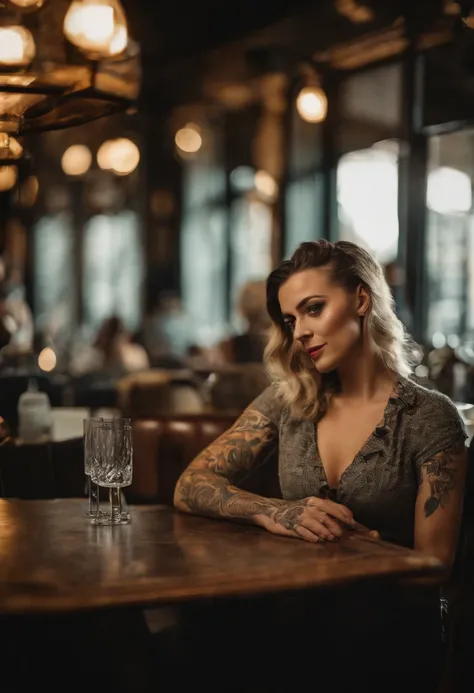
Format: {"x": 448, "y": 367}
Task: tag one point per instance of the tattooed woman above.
{"x": 358, "y": 440}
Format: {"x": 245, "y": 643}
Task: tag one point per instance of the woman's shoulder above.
{"x": 270, "y": 403}
{"x": 432, "y": 403}
{"x": 435, "y": 422}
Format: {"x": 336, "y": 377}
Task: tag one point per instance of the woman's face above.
{"x": 324, "y": 317}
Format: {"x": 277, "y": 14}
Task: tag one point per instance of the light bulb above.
{"x": 47, "y": 360}
{"x": 76, "y": 160}
{"x": 8, "y": 177}
{"x": 27, "y": 3}
{"x": 97, "y": 27}
{"x": 17, "y": 47}
{"x": 266, "y": 185}
{"x": 189, "y": 139}
{"x": 312, "y": 104}
{"x": 10, "y": 148}
{"x": 121, "y": 156}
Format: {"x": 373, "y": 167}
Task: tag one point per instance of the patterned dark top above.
{"x": 380, "y": 485}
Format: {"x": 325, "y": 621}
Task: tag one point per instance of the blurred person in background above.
{"x": 249, "y": 346}
{"x": 167, "y": 332}
{"x": 116, "y": 350}
{"x": 16, "y": 312}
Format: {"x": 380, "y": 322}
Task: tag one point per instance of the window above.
{"x": 113, "y": 269}
{"x": 54, "y": 286}
{"x": 304, "y": 204}
{"x": 367, "y": 197}
{"x": 204, "y": 250}
{"x": 251, "y": 241}
{"x": 450, "y": 238}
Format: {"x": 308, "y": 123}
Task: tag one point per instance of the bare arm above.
{"x": 438, "y": 507}
{"x": 206, "y": 487}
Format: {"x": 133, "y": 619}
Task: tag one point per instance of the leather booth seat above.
{"x": 164, "y": 446}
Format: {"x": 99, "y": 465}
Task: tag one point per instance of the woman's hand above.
{"x": 312, "y": 519}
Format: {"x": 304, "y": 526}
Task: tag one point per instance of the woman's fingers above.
{"x": 335, "y": 510}
{"x": 317, "y": 528}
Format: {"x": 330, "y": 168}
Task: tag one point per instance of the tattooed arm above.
{"x": 206, "y": 487}
{"x": 439, "y": 502}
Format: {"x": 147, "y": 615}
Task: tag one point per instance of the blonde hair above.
{"x": 301, "y": 387}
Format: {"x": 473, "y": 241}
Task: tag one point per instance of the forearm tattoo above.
{"x": 440, "y": 472}
{"x": 205, "y": 487}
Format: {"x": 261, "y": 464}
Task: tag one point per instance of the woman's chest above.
{"x": 342, "y": 435}
{"x": 378, "y": 471}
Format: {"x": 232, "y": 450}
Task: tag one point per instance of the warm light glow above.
{"x": 10, "y": 148}
{"x": 8, "y": 177}
{"x": 28, "y": 192}
{"x": 121, "y": 156}
{"x": 312, "y": 104}
{"x": 449, "y": 191}
{"x": 97, "y": 27}
{"x": 76, "y": 160}
{"x": 189, "y": 139}
{"x": 265, "y": 184}
{"x": 367, "y": 195}
{"x": 17, "y": 47}
{"x": 27, "y": 3}
{"x": 47, "y": 360}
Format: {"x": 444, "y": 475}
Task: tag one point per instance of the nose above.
{"x": 303, "y": 330}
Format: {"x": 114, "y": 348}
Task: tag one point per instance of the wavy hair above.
{"x": 301, "y": 387}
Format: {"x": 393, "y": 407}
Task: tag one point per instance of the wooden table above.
{"x": 53, "y": 560}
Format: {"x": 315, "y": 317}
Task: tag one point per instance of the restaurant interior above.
{"x": 157, "y": 161}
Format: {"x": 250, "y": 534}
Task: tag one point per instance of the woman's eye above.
{"x": 289, "y": 325}
{"x": 315, "y": 308}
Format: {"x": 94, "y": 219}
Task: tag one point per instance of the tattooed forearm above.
{"x": 203, "y": 492}
{"x": 205, "y": 486}
{"x": 440, "y": 473}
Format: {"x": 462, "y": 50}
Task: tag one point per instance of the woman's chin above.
{"x": 323, "y": 367}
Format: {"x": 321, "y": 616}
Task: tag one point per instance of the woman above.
{"x": 358, "y": 440}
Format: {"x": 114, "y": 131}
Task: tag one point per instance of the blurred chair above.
{"x": 158, "y": 392}
{"x": 234, "y": 387}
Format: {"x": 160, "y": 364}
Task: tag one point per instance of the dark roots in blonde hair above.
{"x": 304, "y": 390}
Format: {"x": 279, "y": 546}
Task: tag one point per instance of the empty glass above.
{"x": 112, "y": 465}
{"x": 92, "y": 490}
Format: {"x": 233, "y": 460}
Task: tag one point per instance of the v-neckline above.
{"x": 360, "y": 453}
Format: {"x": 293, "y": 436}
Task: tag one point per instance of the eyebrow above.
{"x": 304, "y": 301}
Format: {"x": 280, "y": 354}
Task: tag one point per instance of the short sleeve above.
{"x": 437, "y": 426}
{"x": 269, "y": 404}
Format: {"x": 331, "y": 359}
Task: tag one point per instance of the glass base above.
{"x": 108, "y": 519}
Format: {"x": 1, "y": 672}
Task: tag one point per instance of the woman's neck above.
{"x": 363, "y": 375}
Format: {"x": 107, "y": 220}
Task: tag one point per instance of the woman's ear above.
{"x": 363, "y": 300}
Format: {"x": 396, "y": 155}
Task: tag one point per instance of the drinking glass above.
{"x": 92, "y": 490}
{"x": 112, "y": 466}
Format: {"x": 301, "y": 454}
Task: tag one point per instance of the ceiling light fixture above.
{"x": 49, "y": 83}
